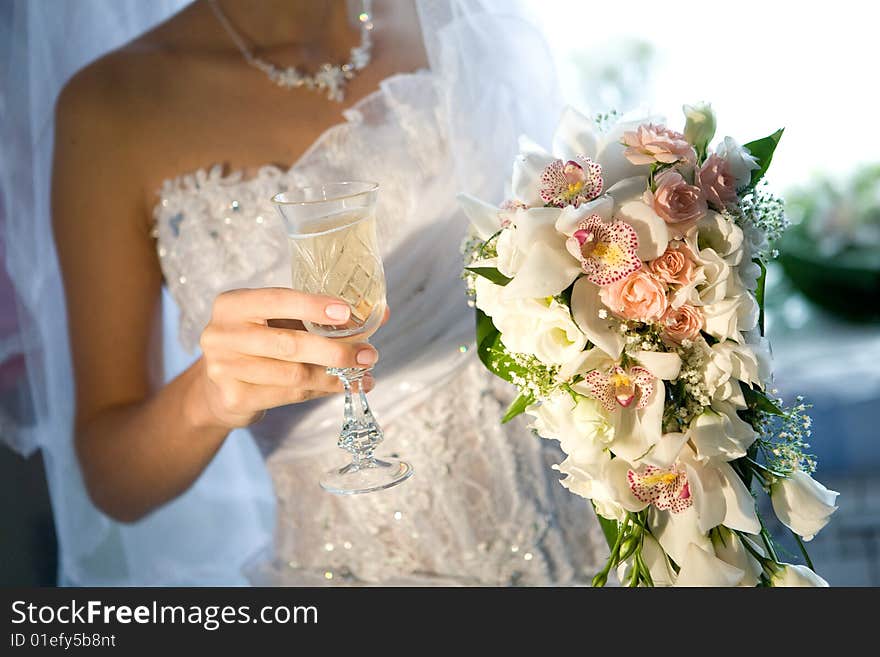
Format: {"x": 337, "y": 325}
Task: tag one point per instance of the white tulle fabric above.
{"x": 484, "y": 506}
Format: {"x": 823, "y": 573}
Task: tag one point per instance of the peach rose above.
{"x": 718, "y": 182}
{"x": 675, "y": 266}
{"x": 656, "y": 143}
{"x": 680, "y": 205}
{"x": 640, "y": 296}
{"x": 682, "y": 323}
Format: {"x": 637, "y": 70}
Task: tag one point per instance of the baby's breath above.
{"x": 784, "y": 440}
{"x": 531, "y": 376}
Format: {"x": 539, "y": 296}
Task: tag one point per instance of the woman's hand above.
{"x": 250, "y": 366}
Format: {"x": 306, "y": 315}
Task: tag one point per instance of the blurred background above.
{"x": 762, "y": 68}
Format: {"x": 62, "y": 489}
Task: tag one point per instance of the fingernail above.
{"x": 367, "y": 357}
{"x": 337, "y": 311}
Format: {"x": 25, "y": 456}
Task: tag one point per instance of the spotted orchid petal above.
{"x": 617, "y": 386}
{"x": 607, "y": 252}
{"x": 665, "y": 488}
{"x": 573, "y": 182}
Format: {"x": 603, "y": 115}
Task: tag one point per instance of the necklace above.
{"x": 331, "y": 78}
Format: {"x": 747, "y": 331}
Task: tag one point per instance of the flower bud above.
{"x": 700, "y": 125}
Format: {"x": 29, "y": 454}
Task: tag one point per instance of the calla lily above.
{"x": 702, "y": 568}
{"x": 676, "y": 531}
{"x": 730, "y": 549}
{"x": 803, "y": 504}
{"x": 655, "y": 560}
{"x": 720, "y": 496}
{"x": 796, "y": 576}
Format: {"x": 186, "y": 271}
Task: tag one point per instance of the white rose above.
{"x": 726, "y": 364}
{"x": 538, "y": 327}
{"x": 488, "y": 296}
{"x": 740, "y": 160}
{"x": 802, "y": 504}
{"x": 718, "y": 434}
{"x": 582, "y": 479}
{"x": 790, "y": 576}
{"x": 580, "y": 424}
{"x": 510, "y": 258}
{"x": 558, "y": 338}
{"x": 727, "y": 319}
{"x": 755, "y": 240}
{"x": 721, "y": 235}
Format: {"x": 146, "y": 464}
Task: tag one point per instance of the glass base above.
{"x": 367, "y": 476}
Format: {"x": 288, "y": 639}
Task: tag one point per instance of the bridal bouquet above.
{"x": 621, "y": 290}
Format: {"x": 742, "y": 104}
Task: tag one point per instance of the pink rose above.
{"x": 656, "y": 143}
{"x": 675, "y": 266}
{"x": 678, "y": 204}
{"x": 682, "y": 323}
{"x": 639, "y": 296}
{"x": 718, "y": 182}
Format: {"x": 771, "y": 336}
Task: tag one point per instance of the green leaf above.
{"x": 609, "y": 528}
{"x": 759, "y": 401}
{"x": 759, "y": 293}
{"x": 492, "y": 352}
{"x": 517, "y": 407}
{"x": 490, "y": 273}
{"x": 762, "y": 150}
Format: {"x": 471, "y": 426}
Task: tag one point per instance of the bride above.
{"x": 167, "y": 152}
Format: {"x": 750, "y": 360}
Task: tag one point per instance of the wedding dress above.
{"x": 484, "y": 505}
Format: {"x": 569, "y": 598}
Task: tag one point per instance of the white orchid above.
{"x": 802, "y": 504}
{"x": 796, "y": 576}
{"x": 633, "y": 398}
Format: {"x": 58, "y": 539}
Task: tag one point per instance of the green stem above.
{"x": 804, "y": 552}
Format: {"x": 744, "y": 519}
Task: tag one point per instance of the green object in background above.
{"x": 832, "y": 255}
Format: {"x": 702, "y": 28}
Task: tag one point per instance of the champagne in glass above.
{"x": 334, "y": 251}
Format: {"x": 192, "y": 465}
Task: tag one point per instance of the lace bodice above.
{"x": 483, "y": 506}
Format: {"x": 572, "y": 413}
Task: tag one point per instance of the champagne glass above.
{"x": 331, "y": 231}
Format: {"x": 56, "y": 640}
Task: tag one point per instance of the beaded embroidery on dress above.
{"x": 484, "y": 506}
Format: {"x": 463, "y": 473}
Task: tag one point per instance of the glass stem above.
{"x": 360, "y": 433}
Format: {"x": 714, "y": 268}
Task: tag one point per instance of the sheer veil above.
{"x": 497, "y": 82}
